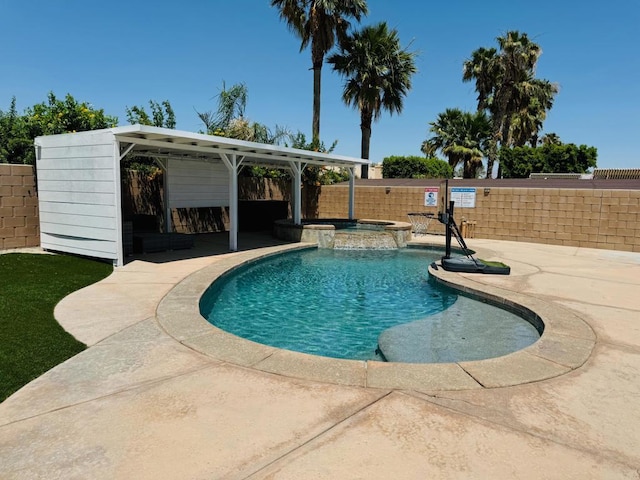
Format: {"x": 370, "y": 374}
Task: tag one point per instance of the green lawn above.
{"x": 31, "y": 341}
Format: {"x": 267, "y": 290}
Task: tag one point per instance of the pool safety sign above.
{"x": 463, "y": 197}
{"x": 431, "y": 197}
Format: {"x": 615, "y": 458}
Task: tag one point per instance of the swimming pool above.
{"x": 338, "y": 303}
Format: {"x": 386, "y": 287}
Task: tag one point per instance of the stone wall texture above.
{"x": 593, "y": 218}
{"x": 19, "y": 224}
{"x": 601, "y": 217}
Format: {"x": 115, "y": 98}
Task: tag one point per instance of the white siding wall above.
{"x": 78, "y": 194}
{"x": 198, "y": 184}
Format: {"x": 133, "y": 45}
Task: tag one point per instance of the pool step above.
{"x": 468, "y": 330}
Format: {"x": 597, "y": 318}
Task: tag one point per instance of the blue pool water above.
{"x": 333, "y": 303}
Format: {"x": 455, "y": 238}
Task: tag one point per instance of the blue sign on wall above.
{"x": 463, "y": 197}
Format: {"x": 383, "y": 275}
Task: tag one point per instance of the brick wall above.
{"x": 593, "y": 218}
{"x": 587, "y": 217}
{"x": 19, "y": 225}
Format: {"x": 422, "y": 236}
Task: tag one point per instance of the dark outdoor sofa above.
{"x": 147, "y": 237}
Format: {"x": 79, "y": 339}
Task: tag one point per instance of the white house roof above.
{"x": 163, "y": 141}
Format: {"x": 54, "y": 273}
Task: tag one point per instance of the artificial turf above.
{"x": 492, "y": 263}
{"x": 31, "y": 341}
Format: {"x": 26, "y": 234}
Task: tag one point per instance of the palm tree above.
{"x": 483, "y": 68}
{"x": 507, "y": 88}
{"x": 378, "y": 75}
{"x": 428, "y": 149}
{"x": 319, "y": 23}
{"x": 445, "y": 131}
{"x": 536, "y": 99}
{"x": 232, "y": 103}
{"x": 518, "y": 58}
{"x": 551, "y": 139}
{"x": 229, "y": 119}
{"x": 462, "y": 137}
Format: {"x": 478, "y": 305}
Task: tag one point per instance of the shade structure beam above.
{"x": 163, "y": 163}
{"x": 215, "y": 146}
{"x": 117, "y": 189}
{"x": 233, "y": 163}
{"x": 296, "y": 190}
{"x": 352, "y": 192}
{"x": 127, "y": 150}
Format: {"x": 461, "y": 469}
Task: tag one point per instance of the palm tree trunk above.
{"x": 492, "y": 156}
{"x": 467, "y": 169}
{"x": 505, "y": 137}
{"x": 490, "y": 161}
{"x": 366, "y": 117}
{"x": 533, "y": 142}
{"x": 317, "y": 59}
{"x": 315, "y": 127}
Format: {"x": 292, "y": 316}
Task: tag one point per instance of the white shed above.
{"x": 79, "y": 187}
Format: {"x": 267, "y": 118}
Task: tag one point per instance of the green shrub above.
{"x": 520, "y": 162}
{"x": 415, "y": 167}
{"x": 53, "y": 117}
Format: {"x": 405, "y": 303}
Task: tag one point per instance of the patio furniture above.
{"x": 147, "y": 238}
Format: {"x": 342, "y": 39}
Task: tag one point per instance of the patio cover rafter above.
{"x": 235, "y": 154}
{"x": 163, "y": 140}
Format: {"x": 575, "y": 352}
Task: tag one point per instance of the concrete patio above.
{"x": 148, "y": 400}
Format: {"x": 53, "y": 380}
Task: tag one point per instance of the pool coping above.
{"x": 565, "y": 344}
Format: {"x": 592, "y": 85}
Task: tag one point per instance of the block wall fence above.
{"x": 592, "y": 218}
{"x": 19, "y": 224}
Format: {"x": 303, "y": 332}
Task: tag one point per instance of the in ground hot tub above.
{"x": 346, "y": 234}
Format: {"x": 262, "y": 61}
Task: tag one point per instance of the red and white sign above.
{"x": 431, "y": 197}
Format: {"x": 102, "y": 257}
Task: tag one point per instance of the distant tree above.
{"x": 462, "y": 137}
{"x": 550, "y": 139}
{"x": 229, "y": 119}
{"x": 520, "y": 162}
{"x": 55, "y": 116}
{"x": 378, "y": 75}
{"x": 162, "y": 115}
{"x": 316, "y": 174}
{"x": 569, "y": 158}
{"x": 527, "y": 121}
{"x": 479, "y": 173}
{"x": 15, "y": 144}
{"x": 319, "y": 23}
{"x": 508, "y": 90}
{"x": 299, "y": 140}
{"x": 428, "y": 148}
{"x": 415, "y": 167}
{"x": 232, "y": 103}
{"x": 66, "y": 116}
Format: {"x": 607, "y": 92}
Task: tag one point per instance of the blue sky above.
{"x": 121, "y": 53}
